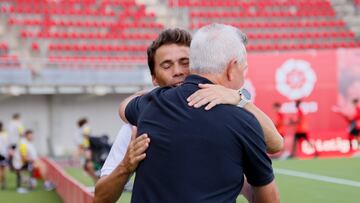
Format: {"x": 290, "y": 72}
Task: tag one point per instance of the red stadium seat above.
{"x": 290, "y": 21}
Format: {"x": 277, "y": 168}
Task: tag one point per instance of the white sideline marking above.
{"x": 317, "y": 177}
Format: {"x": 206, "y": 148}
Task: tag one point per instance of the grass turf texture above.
{"x": 296, "y": 189}
{"x": 9, "y": 195}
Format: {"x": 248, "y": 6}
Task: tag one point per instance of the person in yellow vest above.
{"x": 26, "y": 158}
{"x": 83, "y": 142}
{"x": 16, "y": 130}
{"x": 3, "y": 155}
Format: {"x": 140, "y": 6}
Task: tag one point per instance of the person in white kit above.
{"x": 16, "y": 129}
{"x": 168, "y": 60}
{"x": 4, "y": 144}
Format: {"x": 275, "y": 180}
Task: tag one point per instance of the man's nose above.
{"x": 178, "y": 70}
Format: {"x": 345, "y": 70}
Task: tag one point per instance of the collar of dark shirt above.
{"x": 196, "y": 79}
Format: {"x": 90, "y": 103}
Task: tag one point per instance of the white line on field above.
{"x": 312, "y": 176}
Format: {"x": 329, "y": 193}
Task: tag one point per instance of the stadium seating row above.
{"x": 337, "y": 23}
{"x": 93, "y": 47}
{"x": 63, "y": 23}
{"x": 100, "y": 36}
{"x": 267, "y": 47}
{"x": 209, "y": 14}
{"x": 213, "y": 3}
{"x": 71, "y": 2}
{"x": 301, "y": 35}
{"x": 97, "y": 59}
{"x": 67, "y": 12}
{"x": 9, "y": 61}
{"x": 257, "y": 47}
{"x": 113, "y": 36}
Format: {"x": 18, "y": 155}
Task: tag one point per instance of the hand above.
{"x": 136, "y": 150}
{"x": 212, "y": 95}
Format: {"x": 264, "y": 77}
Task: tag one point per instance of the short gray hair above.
{"x": 214, "y": 45}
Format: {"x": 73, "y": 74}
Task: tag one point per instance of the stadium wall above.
{"x": 54, "y": 117}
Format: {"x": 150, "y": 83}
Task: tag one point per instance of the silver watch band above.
{"x": 242, "y": 103}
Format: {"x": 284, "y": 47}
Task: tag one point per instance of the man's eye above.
{"x": 185, "y": 62}
{"x": 166, "y": 66}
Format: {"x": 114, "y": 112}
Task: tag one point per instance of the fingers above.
{"x": 141, "y": 150}
{"x": 204, "y": 101}
{"x": 199, "y": 94}
{"x": 212, "y": 104}
{"x": 141, "y": 141}
{"x": 139, "y": 158}
{"x": 136, "y": 151}
{"x": 202, "y": 96}
{"x": 204, "y": 86}
{"x": 212, "y": 95}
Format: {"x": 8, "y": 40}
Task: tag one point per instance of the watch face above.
{"x": 246, "y": 94}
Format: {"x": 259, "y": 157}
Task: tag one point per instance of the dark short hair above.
{"x": 277, "y": 105}
{"x": 169, "y": 36}
{"x": 16, "y": 116}
{"x": 28, "y": 132}
{"x": 355, "y": 101}
{"x": 82, "y": 121}
{"x": 298, "y": 102}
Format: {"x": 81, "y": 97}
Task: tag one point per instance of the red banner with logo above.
{"x": 312, "y": 76}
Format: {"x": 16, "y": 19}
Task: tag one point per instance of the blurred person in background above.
{"x": 4, "y": 148}
{"x": 354, "y": 133}
{"x": 83, "y": 144}
{"x": 168, "y": 61}
{"x": 82, "y": 137}
{"x": 16, "y": 130}
{"x": 280, "y": 124}
{"x": 353, "y": 121}
{"x": 280, "y": 119}
{"x": 26, "y": 159}
{"x": 301, "y": 129}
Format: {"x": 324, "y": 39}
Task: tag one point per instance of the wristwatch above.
{"x": 245, "y": 97}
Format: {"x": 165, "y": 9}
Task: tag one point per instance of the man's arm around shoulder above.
{"x": 109, "y": 188}
{"x": 124, "y": 104}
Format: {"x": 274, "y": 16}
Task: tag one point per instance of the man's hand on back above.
{"x": 136, "y": 151}
{"x": 212, "y": 95}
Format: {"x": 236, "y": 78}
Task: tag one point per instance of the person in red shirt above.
{"x": 280, "y": 119}
{"x": 353, "y": 121}
{"x": 301, "y": 129}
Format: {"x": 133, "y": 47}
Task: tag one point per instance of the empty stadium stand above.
{"x": 80, "y": 29}
{"x": 74, "y": 31}
{"x": 275, "y": 25}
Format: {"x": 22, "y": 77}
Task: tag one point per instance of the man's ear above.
{"x": 154, "y": 81}
{"x": 230, "y": 69}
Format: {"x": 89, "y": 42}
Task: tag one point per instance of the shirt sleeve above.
{"x": 118, "y": 150}
{"x": 257, "y": 164}
{"x": 135, "y": 107}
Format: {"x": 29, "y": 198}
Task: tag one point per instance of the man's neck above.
{"x": 214, "y": 78}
